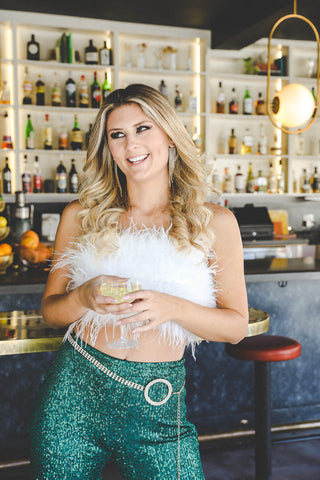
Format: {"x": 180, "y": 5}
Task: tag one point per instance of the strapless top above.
{"x": 149, "y": 256}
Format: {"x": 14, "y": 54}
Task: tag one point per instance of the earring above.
{"x": 115, "y": 169}
{"x": 172, "y": 155}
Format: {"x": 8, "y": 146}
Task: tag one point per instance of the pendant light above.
{"x": 294, "y": 104}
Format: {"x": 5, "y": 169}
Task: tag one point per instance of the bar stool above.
{"x": 263, "y": 349}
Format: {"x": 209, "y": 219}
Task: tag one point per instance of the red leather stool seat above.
{"x": 265, "y": 348}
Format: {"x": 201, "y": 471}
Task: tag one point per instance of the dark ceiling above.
{"x": 233, "y": 23}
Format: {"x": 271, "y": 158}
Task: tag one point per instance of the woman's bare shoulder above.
{"x": 223, "y": 221}
{"x": 69, "y": 226}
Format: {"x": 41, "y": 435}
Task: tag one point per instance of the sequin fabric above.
{"x": 82, "y": 419}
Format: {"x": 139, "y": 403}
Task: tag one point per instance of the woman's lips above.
{"x": 138, "y": 159}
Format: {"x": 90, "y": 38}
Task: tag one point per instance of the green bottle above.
{"x": 247, "y": 103}
{"x": 106, "y": 88}
{"x": 29, "y": 134}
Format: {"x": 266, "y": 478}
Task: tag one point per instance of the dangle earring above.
{"x": 172, "y": 155}
{"x": 115, "y": 168}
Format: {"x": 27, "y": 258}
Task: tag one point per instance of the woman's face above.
{"x": 137, "y": 144}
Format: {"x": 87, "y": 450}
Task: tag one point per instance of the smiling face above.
{"x": 137, "y": 144}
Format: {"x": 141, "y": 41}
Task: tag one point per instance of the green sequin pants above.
{"x": 83, "y": 419}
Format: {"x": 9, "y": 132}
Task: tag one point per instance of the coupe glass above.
{"x": 118, "y": 290}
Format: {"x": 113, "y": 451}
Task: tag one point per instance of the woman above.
{"x": 141, "y": 214}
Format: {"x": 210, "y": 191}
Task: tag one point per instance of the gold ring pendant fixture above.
{"x": 294, "y": 104}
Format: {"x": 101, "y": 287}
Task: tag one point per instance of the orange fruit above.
{"x": 5, "y": 249}
{"x": 29, "y": 239}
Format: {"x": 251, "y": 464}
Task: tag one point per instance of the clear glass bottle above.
{"x": 226, "y": 181}
{"x": 247, "y": 143}
{"x": 232, "y": 143}
{"x": 261, "y": 185}
{"x": 193, "y": 103}
{"x": 250, "y": 183}
{"x": 197, "y": 139}
{"x": 62, "y": 135}
{"x": 305, "y": 185}
{"x": 262, "y": 142}
{"x": 178, "y": 99}
{"x": 239, "y": 181}
{"x": 221, "y": 100}
{"x": 5, "y": 93}
{"x": 47, "y": 133}
{"x": 163, "y": 88}
{"x": 215, "y": 180}
{"x": 280, "y": 178}
{"x": 272, "y": 181}
{"x": 247, "y": 103}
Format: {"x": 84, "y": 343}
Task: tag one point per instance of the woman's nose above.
{"x": 132, "y": 141}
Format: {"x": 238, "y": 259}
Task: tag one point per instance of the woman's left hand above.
{"x": 152, "y": 307}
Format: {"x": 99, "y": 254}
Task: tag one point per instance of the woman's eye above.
{"x": 142, "y": 128}
{"x": 116, "y": 135}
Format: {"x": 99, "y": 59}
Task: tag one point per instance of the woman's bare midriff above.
{"x": 150, "y": 348}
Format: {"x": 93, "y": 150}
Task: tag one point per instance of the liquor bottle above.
{"x": 239, "y": 181}
{"x": 250, "y": 184}
{"x": 33, "y": 49}
{"x": 276, "y": 145}
{"x": 47, "y": 133}
{"x": 227, "y": 204}
{"x": 305, "y": 186}
{"x": 26, "y": 177}
{"x": 280, "y": 178}
{"x": 6, "y": 137}
{"x": 215, "y": 180}
{"x": 83, "y": 93}
{"x": 247, "y": 103}
{"x": 234, "y": 103}
{"x": 106, "y": 88}
{"x": 163, "y": 88}
{"x": 61, "y": 178}
{"x": 5, "y": 93}
{"x": 233, "y": 143}
{"x": 261, "y": 183}
{"x": 105, "y": 55}
{"x": 70, "y": 91}
{"x": 91, "y": 54}
{"x": 271, "y": 180}
{"x": 56, "y": 93}
{"x": 197, "y": 139}
{"x": 262, "y": 142}
{"x": 95, "y": 92}
{"x": 221, "y": 100}
{"x": 260, "y": 105}
{"x": 87, "y": 136}
{"x": 62, "y": 135}
{"x": 73, "y": 178}
{"x": 193, "y": 103}
{"x": 315, "y": 181}
{"x": 40, "y": 91}
{"x": 226, "y": 181}
{"x": 6, "y": 175}
{"x": 178, "y": 99}
{"x": 37, "y": 178}
{"x": 29, "y": 134}
{"x": 299, "y": 144}
{"x": 247, "y": 143}
{"x": 76, "y": 135}
{"x": 27, "y": 89}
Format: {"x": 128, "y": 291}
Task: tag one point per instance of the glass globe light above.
{"x": 293, "y": 105}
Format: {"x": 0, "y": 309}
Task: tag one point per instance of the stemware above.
{"x": 118, "y": 290}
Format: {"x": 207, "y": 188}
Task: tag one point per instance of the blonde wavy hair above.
{"x": 103, "y": 193}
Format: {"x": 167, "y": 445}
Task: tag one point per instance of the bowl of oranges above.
{"x": 6, "y": 257}
{"x": 32, "y": 253}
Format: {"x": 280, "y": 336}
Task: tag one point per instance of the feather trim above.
{"x": 150, "y": 256}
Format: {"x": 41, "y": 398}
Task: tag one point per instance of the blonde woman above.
{"x": 142, "y": 217}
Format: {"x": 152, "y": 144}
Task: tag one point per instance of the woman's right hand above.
{"x": 91, "y": 298}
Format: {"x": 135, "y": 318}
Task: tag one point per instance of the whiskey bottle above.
{"x": 260, "y": 105}
{"x": 27, "y": 89}
{"x": 33, "y": 49}
{"x": 221, "y": 100}
{"x": 105, "y": 55}
{"x": 239, "y": 181}
{"x": 233, "y": 143}
{"x": 305, "y": 186}
{"x": 76, "y": 135}
{"x": 226, "y": 181}
{"x": 73, "y": 178}
{"x": 234, "y": 103}
{"x": 91, "y": 54}
{"x": 40, "y": 91}
{"x": 95, "y": 92}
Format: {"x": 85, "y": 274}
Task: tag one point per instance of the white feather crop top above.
{"x": 150, "y": 256}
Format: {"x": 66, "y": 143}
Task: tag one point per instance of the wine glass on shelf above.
{"x": 118, "y": 290}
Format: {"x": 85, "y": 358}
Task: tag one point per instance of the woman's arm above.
{"x": 226, "y": 323}
{"x": 60, "y": 308}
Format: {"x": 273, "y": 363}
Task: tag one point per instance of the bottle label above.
{"x": 48, "y": 137}
{"x": 56, "y": 95}
{"x": 33, "y": 48}
{"x": 30, "y": 141}
{"x": 193, "y": 104}
{"x": 92, "y": 57}
{"x": 104, "y": 57}
{"x": 240, "y": 183}
{"x": 7, "y": 176}
{"x": 247, "y": 106}
{"x": 76, "y": 136}
{"x": 70, "y": 88}
{"x": 26, "y": 182}
{"x": 84, "y": 96}
{"x": 234, "y": 107}
{"x": 74, "y": 182}
{"x": 27, "y": 87}
{"x": 96, "y": 95}
{"x": 61, "y": 179}
{"x": 37, "y": 182}
{"x": 40, "y": 89}
{"x": 63, "y": 141}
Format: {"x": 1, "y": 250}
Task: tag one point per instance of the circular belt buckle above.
{"x": 147, "y": 387}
